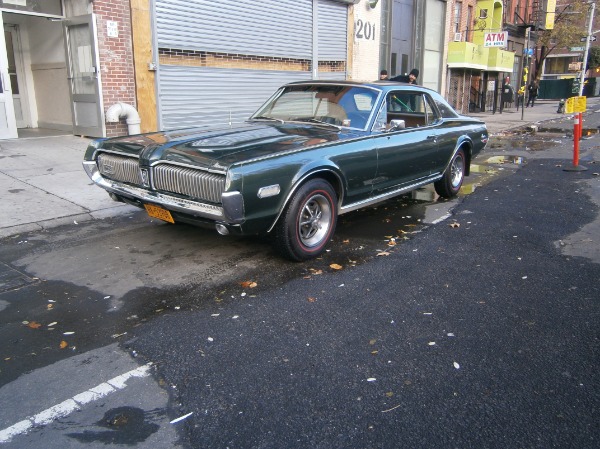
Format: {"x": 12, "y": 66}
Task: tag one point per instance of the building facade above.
{"x": 111, "y": 67}
{"x": 477, "y": 61}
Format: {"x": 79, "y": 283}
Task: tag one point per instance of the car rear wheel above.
{"x": 308, "y": 222}
{"x": 454, "y": 175}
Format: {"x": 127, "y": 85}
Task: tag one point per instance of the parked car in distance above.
{"x": 313, "y": 151}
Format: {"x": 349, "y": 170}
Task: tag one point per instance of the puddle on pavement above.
{"x": 516, "y": 160}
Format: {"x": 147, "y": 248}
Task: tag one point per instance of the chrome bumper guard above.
{"x": 231, "y": 212}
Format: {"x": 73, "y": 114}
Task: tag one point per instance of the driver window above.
{"x": 407, "y": 106}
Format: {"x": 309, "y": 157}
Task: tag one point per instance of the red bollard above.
{"x": 577, "y": 132}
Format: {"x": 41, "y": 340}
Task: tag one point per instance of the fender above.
{"x": 328, "y": 170}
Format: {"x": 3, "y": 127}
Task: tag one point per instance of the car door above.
{"x": 405, "y": 156}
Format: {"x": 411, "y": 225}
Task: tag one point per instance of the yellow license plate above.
{"x": 159, "y": 212}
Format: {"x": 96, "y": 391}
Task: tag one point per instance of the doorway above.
{"x": 14, "y": 56}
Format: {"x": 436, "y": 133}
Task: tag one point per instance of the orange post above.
{"x": 576, "y": 140}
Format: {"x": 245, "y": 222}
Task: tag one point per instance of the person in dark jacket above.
{"x": 411, "y": 78}
{"x": 533, "y": 93}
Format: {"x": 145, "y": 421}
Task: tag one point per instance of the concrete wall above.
{"x": 367, "y": 32}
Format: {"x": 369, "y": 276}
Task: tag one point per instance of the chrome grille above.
{"x": 119, "y": 168}
{"x": 188, "y": 181}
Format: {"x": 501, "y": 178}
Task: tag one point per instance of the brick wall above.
{"x": 116, "y": 57}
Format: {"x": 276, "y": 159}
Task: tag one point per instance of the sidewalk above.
{"x": 42, "y": 185}
{"x": 42, "y": 182}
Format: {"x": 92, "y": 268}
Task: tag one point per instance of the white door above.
{"x": 84, "y": 76}
{"x": 15, "y": 71}
{"x": 8, "y": 124}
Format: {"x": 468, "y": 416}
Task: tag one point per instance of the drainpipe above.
{"x": 124, "y": 110}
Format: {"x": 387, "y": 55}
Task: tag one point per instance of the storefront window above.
{"x": 50, "y": 7}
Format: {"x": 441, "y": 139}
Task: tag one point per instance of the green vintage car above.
{"x": 313, "y": 151}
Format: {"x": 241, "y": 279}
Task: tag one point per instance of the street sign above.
{"x": 592, "y": 39}
{"x": 577, "y": 48}
{"x": 575, "y": 104}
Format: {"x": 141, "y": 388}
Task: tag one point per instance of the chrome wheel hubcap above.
{"x": 314, "y": 220}
{"x": 457, "y": 171}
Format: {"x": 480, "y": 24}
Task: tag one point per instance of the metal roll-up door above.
{"x": 208, "y": 52}
{"x": 281, "y": 28}
{"x": 333, "y": 36}
{"x": 212, "y": 96}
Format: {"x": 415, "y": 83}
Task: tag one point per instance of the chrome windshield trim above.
{"x": 170, "y": 202}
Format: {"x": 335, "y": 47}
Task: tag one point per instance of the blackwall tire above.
{"x": 308, "y": 222}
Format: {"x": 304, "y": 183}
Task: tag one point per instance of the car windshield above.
{"x": 338, "y": 105}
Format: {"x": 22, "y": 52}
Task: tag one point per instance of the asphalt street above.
{"x": 478, "y": 328}
{"x": 476, "y": 335}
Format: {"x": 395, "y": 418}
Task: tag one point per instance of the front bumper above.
{"x": 231, "y": 212}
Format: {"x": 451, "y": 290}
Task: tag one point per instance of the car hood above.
{"x": 218, "y": 148}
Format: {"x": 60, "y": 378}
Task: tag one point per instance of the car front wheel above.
{"x": 454, "y": 175}
{"x": 308, "y": 222}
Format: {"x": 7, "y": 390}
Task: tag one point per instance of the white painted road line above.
{"x": 70, "y": 405}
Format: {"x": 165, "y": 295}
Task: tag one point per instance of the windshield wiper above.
{"x": 314, "y": 120}
{"x": 264, "y": 117}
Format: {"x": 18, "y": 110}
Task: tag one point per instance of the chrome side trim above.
{"x": 387, "y": 195}
{"x": 170, "y": 202}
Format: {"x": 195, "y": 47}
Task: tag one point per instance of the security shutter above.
{"x": 220, "y": 60}
{"x": 213, "y": 96}
{"x": 281, "y": 28}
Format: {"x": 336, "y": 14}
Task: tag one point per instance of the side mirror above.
{"x": 397, "y": 124}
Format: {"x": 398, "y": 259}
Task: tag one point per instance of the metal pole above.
{"x": 525, "y": 64}
{"x": 587, "y": 48}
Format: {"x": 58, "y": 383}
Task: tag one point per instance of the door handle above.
{"x": 432, "y": 137}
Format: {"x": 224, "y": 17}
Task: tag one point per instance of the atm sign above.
{"x": 495, "y": 39}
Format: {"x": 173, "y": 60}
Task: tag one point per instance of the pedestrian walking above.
{"x": 533, "y": 93}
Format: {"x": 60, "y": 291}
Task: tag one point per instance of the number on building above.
{"x": 365, "y": 30}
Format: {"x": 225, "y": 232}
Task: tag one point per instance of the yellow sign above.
{"x": 575, "y": 104}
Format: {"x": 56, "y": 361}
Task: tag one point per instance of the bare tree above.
{"x": 569, "y": 28}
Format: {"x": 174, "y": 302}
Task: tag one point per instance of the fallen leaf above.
{"x": 315, "y": 272}
{"x": 248, "y": 284}
{"x": 346, "y": 241}
{"x": 372, "y": 341}
{"x": 34, "y": 325}
{"x": 50, "y": 306}
{"x": 63, "y": 344}
{"x": 311, "y": 299}
{"x": 392, "y": 243}
{"x": 456, "y": 365}
{"x": 335, "y": 266}
{"x": 54, "y": 323}
{"x": 371, "y": 379}
{"x": 375, "y": 352}
{"x": 383, "y": 253}
{"x": 454, "y": 225}
{"x": 68, "y": 333}
{"x": 389, "y": 394}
